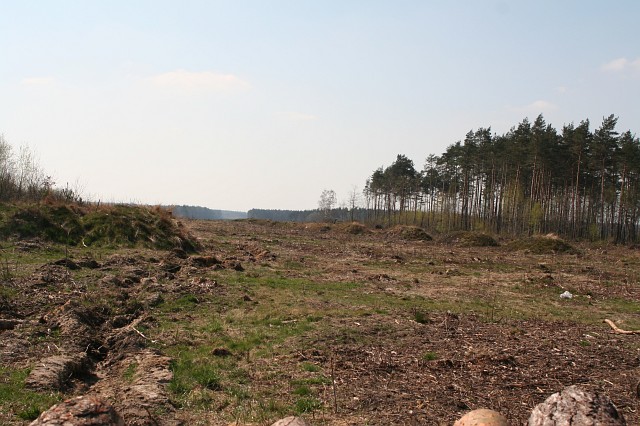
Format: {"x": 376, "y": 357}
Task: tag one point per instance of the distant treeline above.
{"x": 576, "y": 182}
{"x": 197, "y": 212}
{"x": 340, "y": 214}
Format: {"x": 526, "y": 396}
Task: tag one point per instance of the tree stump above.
{"x": 576, "y": 406}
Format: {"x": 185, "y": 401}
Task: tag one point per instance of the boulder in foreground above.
{"x": 576, "y": 406}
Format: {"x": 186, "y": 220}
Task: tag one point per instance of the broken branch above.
{"x": 618, "y": 330}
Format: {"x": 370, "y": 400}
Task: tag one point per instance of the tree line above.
{"x": 23, "y": 179}
{"x": 205, "y": 213}
{"x": 576, "y": 182}
{"x": 341, "y": 214}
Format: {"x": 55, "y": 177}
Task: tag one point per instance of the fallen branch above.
{"x": 145, "y": 337}
{"x": 134, "y": 323}
{"x": 618, "y": 330}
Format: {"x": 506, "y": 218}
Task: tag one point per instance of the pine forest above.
{"x": 578, "y": 182}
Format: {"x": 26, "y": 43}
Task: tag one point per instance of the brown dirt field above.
{"x": 382, "y": 330}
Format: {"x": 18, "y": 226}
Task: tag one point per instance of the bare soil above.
{"x": 427, "y": 332}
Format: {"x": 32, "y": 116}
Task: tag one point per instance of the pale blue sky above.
{"x": 263, "y": 104}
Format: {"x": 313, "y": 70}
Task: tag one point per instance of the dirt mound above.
{"x": 80, "y": 411}
{"x": 135, "y": 225}
{"x": 543, "y": 244}
{"x": 317, "y": 227}
{"x": 411, "y": 233}
{"x": 469, "y": 239}
{"x": 144, "y": 399}
{"x": 114, "y": 226}
{"x": 60, "y": 224}
{"x": 53, "y": 373}
{"x": 353, "y": 228}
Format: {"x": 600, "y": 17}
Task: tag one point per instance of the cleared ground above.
{"x": 272, "y": 319}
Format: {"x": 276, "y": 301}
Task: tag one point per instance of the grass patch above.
{"x": 129, "y": 373}
{"x": 189, "y": 373}
{"x": 23, "y": 403}
{"x": 302, "y": 390}
{"x": 307, "y": 405}
{"x": 312, "y": 368}
{"x": 430, "y": 356}
{"x": 420, "y": 317}
{"x": 314, "y": 381}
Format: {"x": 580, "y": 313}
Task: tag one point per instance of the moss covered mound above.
{"x": 469, "y": 239}
{"x": 413, "y": 233}
{"x": 543, "y": 244}
{"x": 117, "y": 225}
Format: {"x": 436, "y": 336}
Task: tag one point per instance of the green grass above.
{"x": 190, "y": 373}
{"x": 430, "y": 356}
{"x": 420, "y": 317}
{"x": 23, "y": 403}
{"x": 312, "y": 368}
{"x": 302, "y": 390}
{"x": 319, "y": 380}
{"x": 129, "y": 373}
{"x": 307, "y": 404}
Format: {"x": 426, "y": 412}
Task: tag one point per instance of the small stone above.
{"x": 566, "y": 295}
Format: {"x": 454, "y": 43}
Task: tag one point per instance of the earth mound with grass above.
{"x": 352, "y": 228}
{"x": 469, "y": 239}
{"x": 113, "y": 226}
{"x": 543, "y": 244}
{"x": 411, "y": 233}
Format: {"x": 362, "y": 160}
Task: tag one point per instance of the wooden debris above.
{"x": 618, "y": 330}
